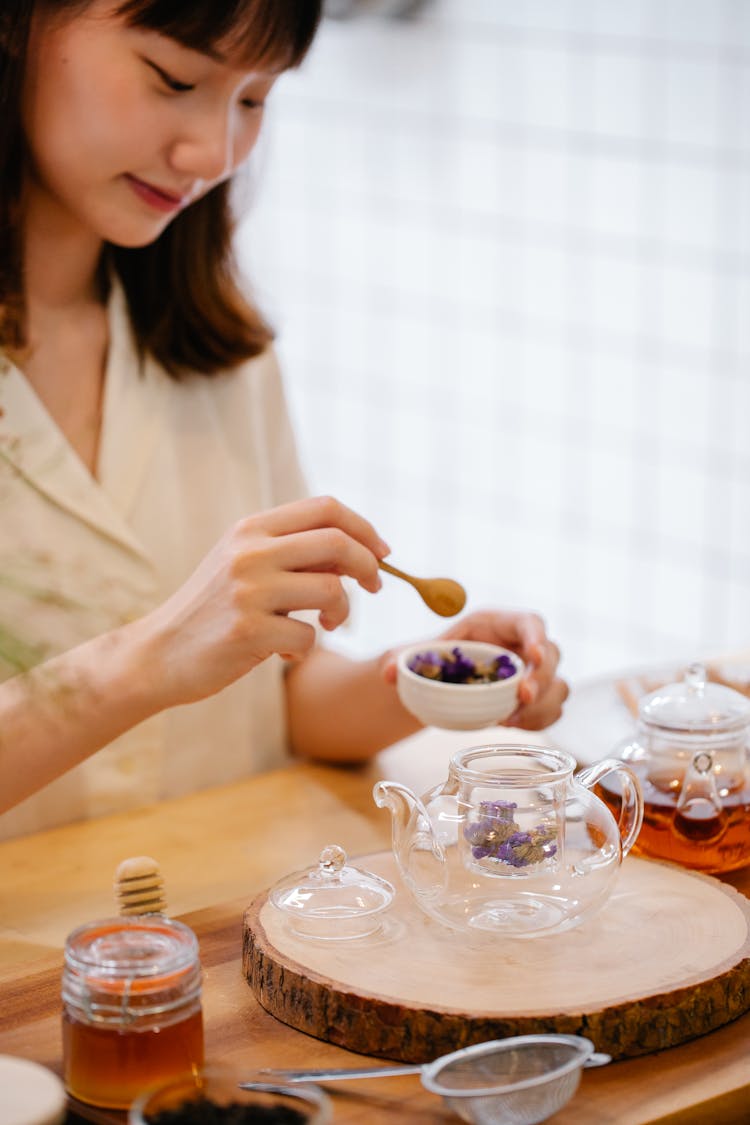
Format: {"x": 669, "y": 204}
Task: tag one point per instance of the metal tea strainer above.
{"x": 516, "y": 1081}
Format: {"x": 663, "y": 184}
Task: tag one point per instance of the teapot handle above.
{"x": 631, "y": 811}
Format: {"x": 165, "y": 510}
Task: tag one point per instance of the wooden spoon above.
{"x": 442, "y": 595}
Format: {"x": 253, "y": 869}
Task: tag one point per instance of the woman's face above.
{"x": 125, "y": 127}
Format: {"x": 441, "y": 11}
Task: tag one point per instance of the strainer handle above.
{"x": 331, "y": 1074}
{"x": 597, "y": 1059}
{"x": 631, "y": 811}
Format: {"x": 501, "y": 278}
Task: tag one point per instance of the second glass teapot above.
{"x": 512, "y": 843}
{"x": 690, "y": 752}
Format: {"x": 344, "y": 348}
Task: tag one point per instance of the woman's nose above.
{"x": 208, "y": 149}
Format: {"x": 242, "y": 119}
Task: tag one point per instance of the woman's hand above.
{"x": 233, "y": 612}
{"x": 541, "y": 693}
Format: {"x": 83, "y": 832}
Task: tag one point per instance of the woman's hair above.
{"x": 205, "y": 323}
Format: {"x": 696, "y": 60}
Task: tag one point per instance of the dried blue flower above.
{"x": 455, "y": 667}
{"x": 496, "y": 835}
{"x": 502, "y": 809}
{"x": 504, "y": 667}
{"x": 427, "y": 664}
{"x": 459, "y": 669}
{"x": 507, "y": 854}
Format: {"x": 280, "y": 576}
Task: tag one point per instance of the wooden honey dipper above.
{"x": 139, "y": 886}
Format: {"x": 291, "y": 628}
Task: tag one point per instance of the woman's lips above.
{"x": 157, "y": 198}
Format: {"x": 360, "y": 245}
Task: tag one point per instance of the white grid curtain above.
{"x": 506, "y": 248}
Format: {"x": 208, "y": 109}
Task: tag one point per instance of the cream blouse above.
{"x": 178, "y": 464}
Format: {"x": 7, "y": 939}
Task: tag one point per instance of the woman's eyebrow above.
{"x": 209, "y": 52}
{"x": 213, "y": 53}
{"x": 224, "y": 58}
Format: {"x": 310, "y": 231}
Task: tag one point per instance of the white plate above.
{"x": 596, "y": 720}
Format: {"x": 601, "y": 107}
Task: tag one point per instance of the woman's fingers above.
{"x": 521, "y": 631}
{"x": 324, "y": 592}
{"x": 291, "y": 638}
{"x": 233, "y": 611}
{"x": 327, "y": 549}
{"x": 320, "y": 512}
{"x": 539, "y": 677}
{"x": 545, "y": 711}
{"x": 513, "y": 628}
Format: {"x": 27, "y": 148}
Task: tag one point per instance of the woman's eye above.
{"x": 169, "y": 80}
{"x": 252, "y": 103}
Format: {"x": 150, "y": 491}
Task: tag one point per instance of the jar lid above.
{"x": 695, "y": 705}
{"x": 30, "y": 1094}
{"x": 119, "y": 967}
{"x": 145, "y": 948}
{"x": 333, "y": 900}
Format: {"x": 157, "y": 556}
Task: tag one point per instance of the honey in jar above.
{"x": 132, "y": 1015}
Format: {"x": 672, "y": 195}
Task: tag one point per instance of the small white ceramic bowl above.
{"x": 457, "y": 706}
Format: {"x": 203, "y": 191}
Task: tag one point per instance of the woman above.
{"x": 156, "y": 545}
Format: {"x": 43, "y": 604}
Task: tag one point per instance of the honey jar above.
{"x": 132, "y": 1017}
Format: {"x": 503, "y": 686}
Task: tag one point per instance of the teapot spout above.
{"x": 420, "y": 857}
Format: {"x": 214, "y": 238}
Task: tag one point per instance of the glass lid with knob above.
{"x": 696, "y": 705}
{"x": 334, "y": 900}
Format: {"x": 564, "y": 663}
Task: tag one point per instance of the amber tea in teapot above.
{"x": 690, "y": 754}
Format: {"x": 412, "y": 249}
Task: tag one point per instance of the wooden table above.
{"x": 217, "y": 849}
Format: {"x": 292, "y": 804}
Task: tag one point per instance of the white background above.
{"x": 505, "y": 247}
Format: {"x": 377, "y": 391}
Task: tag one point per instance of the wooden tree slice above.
{"x": 666, "y": 960}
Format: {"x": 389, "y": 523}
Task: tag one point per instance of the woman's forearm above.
{"x": 341, "y": 710}
{"x": 61, "y": 712}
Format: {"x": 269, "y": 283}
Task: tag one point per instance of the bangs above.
{"x": 274, "y": 32}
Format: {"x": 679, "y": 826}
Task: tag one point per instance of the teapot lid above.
{"x": 695, "y": 705}
{"x": 332, "y": 892}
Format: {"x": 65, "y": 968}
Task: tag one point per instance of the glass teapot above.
{"x": 690, "y": 752}
{"x": 513, "y": 842}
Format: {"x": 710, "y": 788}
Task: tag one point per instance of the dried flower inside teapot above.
{"x": 497, "y": 835}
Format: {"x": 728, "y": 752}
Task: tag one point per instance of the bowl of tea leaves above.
{"x": 463, "y": 685}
